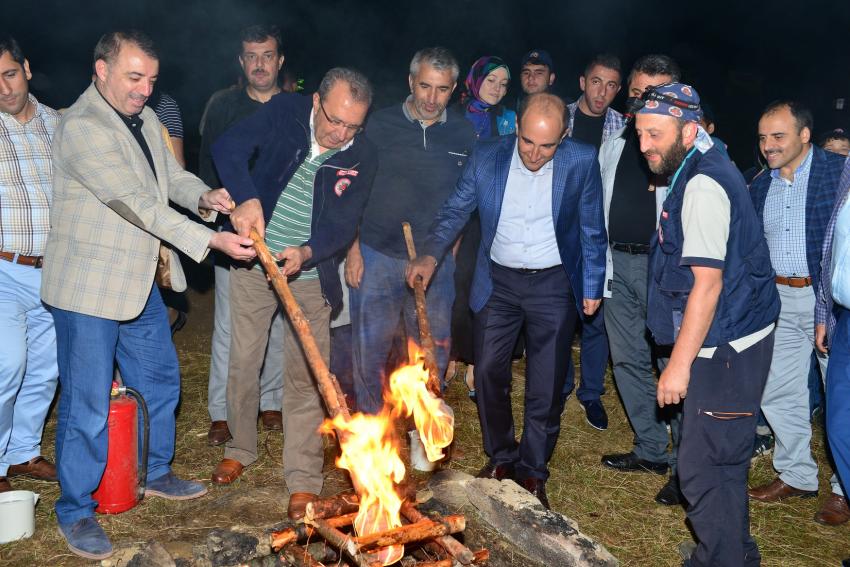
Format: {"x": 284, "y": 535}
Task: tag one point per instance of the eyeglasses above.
{"x": 352, "y": 128}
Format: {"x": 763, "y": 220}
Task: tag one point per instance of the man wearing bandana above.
{"x": 712, "y": 296}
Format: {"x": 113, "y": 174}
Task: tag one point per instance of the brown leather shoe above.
{"x": 38, "y": 468}
{"x": 537, "y": 487}
{"x": 272, "y": 420}
{"x": 498, "y": 472}
{"x": 227, "y": 471}
{"x": 834, "y": 511}
{"x": 5, "y": 485}
{"x": 218, "y": 433}
{"x": 778, "y": 490}
{"x": 298, "y": 504}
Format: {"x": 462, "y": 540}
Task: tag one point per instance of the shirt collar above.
{"x": 802, "y": 169}
{"x": 409, "y": 116}
{"x": 516, "y": 163}
{"x": 314, "y": 145}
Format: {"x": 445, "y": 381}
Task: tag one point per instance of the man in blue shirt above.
{"x": 540, "y": 262}
{"x": 793, "y": 201}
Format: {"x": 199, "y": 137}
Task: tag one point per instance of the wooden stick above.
{"x": 302, "y": 532}
{"x": 482, "y": 556}
{"x": 345, "y": 544}
{"x": 328, "y": 385}
{"x": 454, "y": 548}
{"x": 338, "y": 505}
{"x": 426, "y": 340}
{"x": 421, "y": 530}
{"x": 440, "y": 563}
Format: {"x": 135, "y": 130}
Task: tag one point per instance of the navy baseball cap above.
{"x": 538, "y": 57}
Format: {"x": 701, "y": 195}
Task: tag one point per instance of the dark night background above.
{"x": 739, "y": 55}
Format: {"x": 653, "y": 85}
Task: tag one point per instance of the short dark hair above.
{"x": 802, "y": 115}
{"x": 544, "y": 100}
{"x": 836, "y": 134}
{"x": 109, "y": 45}
{"x": 8, "y": 43}
{"x": 358, "y": 84}
{"x": 604, "y": 60}
{"x": 656, "y": 64}
{"x": 258, "y": 33}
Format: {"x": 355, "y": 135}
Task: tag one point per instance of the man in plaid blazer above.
{"x": 794, "y": 202}
{"x": 113, "y": 179}
{"x": 541, "y": 261}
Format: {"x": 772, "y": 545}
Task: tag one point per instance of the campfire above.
{"x": 374, "y": 525}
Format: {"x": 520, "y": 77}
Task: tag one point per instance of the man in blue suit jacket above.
{"x": 794, "y": 203}
{"x": 541, "y": 259}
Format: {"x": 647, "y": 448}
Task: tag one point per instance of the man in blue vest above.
{"x": 712, "y": 296}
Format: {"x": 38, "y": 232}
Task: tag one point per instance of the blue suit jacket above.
{"x": 576, "y": 212}
{"x": 820, "y": 200}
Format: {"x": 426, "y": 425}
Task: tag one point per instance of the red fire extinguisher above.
{"x": 123, "y": 482}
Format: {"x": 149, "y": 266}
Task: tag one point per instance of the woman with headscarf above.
{"x": 486, "y": 86}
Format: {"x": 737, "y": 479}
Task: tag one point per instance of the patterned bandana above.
{"x": 673, "y": 99}
{"x": 479, "y": 71}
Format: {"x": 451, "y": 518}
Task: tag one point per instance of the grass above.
{"x": 616, "y": 509}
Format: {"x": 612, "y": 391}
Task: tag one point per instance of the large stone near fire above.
{"x": 545, "y": 537}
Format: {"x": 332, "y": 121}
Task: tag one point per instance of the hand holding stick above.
{"x": 426, "y": 340}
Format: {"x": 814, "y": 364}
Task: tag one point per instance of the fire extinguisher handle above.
{"x": 143, "y": 463}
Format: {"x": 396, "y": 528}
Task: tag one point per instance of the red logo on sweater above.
{"x": 341, "y": 186}
{"x": 344, "y": 172}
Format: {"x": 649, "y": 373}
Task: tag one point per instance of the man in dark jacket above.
{"x": 305, "y": 194}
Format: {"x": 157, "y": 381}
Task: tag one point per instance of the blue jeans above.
{"x": 383, "y": 296}
{"x": 838, "y": 397}
{"x": 28, "y": 370}
{"x": 88, "y": 348}
{"x": 593, "y": 357}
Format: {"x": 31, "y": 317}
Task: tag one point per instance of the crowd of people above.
{"x": 714, "y": 296}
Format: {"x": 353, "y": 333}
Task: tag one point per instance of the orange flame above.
{"x": 370, "y": 449}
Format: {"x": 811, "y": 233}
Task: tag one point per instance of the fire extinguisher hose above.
{"x": 143, "y": 465}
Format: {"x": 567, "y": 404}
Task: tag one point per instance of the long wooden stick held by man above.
{"x": 328, "y": 385}
{"x": 426, "y": 340}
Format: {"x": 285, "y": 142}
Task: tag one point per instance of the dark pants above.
{"x": 593, "y": 357}
{"x": 541, "y": 304}
{"x": 838, "y": 397}
{"x": 718, "y": 431}
{"x": 342, "y": 361}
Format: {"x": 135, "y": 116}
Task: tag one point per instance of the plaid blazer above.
{"x": 576, "y": 214}
{"x": 110, "y": 213}
{"x": 823, "y": 300}
{"x": 820, "y": 200}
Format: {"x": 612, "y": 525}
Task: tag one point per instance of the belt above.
{"x": 794, "y": 282}
{"x": 528, "y": 271}
{"x": 34, "y": 261}
{"x": 630, "y": 248}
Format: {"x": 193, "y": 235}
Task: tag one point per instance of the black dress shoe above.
{"x": 498, "y": 472}
{"x": 537, "y": 487}
{"x": 670, "y": 494}
{"x": 629, "y": 462}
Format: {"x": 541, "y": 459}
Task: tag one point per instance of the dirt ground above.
{"x": 616, "y": 509}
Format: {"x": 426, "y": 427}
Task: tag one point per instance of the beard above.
{"x": 671, "y": 159}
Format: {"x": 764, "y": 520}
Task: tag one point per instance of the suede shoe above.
{"x": 86, "y": 538}
{"x": 670, "y": 494}
{"x": 5, "y": 485}
{"x": 537, "y": 487}
{"x": 629, "y": 462}
{"x": 227, "y": 471}
{"x": 219, "y": 433}
{"x": 834, "y": 511}
{"x": 498, "y": 472}
{"x": 38, "y": 468}
{"x": 298, "y": 504}
{"x": 595, "y": 414}
{"x": 272, "y": 420}
{"x": 778, "y": 490}
{"x": 170, "y": 487}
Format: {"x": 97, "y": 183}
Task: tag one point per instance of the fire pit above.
{"x": 427, "y": 541}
